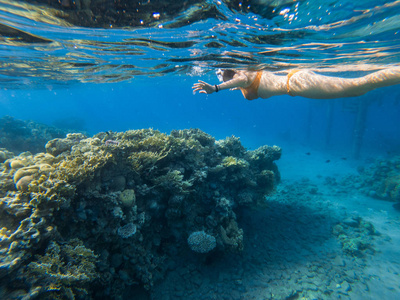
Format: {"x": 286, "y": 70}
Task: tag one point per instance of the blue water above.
{"x": 65, "y": 77}
{"x": 100, "y": 77}
{"x": 167, "y": 103}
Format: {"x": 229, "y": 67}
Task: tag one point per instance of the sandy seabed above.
{"x": 290, "y": 249}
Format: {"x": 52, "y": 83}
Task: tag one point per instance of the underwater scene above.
{"x": 199, "y": 149}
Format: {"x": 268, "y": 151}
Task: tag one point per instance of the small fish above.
{"x": 111, "y": 142}
{"x": 328, "y": 161}
{"x": 308, "y": 153}
{"x": 344, "y": 158}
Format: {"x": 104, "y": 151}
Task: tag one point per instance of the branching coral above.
{"x": 145, "y": 161}
{"x": 65, "y": 268}
{"x": 173, "y": 181}
{"x": 134, "y": 201}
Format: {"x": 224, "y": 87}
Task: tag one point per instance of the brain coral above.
{"x": 201, "y": 242}
{"x": 127, "y": 231}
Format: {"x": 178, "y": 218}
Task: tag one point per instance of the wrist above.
{"x": 216, "y": 88}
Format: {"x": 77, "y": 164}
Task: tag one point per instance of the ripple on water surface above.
{"x": 59, "y": 42}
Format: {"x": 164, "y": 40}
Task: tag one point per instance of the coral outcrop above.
{"x": 380, "y": 179}
{"x": 356, "y": 236}
{"x": 117, "y": 209}
{"x": 5, "y": 154}
{"x": 19, "y": 136}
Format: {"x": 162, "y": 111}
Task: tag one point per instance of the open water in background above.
{"x": 105, "y": 77}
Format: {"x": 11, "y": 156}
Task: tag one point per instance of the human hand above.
{"x": 203, "y": 87}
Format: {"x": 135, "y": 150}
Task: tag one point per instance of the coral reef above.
{"x": 380, "y": 179}
{"x": 19, "y": 136}
{"x": 5, "y": 154}
{"x": 138, "y": 203}
{"x": 65, "y": 269}
{"x": 355, "y": 235}
{"x": 391, "y": 188}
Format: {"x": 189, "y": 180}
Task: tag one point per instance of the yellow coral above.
{"x": 231, "y": 161}
{"x": 79, "y": 167}
{"x": 65, "y": 267}
{"x": 53, "y": 287}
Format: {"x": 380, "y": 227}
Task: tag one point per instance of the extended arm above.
{"x": 239, "y": 80}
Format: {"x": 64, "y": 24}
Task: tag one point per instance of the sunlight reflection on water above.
{"x": 62, "y": 44}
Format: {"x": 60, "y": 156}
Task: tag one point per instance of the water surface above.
{"x": 69, "y": 42}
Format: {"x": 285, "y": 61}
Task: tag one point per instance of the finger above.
{"x": 203, "y": 92}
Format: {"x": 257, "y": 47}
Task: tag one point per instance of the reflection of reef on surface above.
{"x": 161, "y": 37}
{"x": 100, "y": 13}
{"x": 132, "y": 203}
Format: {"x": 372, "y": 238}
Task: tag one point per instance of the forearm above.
{"x": 237, "y": 82}
{"x": 206, "y": 88}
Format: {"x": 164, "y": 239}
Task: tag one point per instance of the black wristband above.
{"x": 216, "y": 88}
